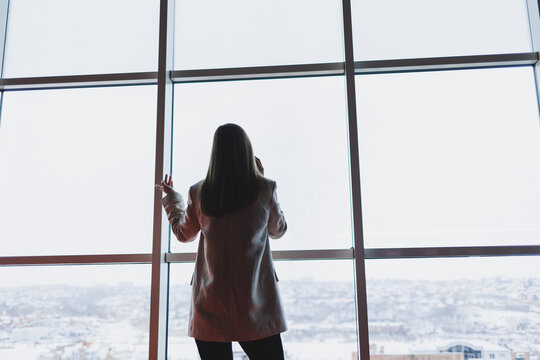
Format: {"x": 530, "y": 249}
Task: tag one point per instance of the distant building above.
{"x": 444, "y": 356}
{"x": 435, "y": 356}
{"x": 455, "y": 350}
{"x": 520, "y": 356}
{"x": 475, "y": 349}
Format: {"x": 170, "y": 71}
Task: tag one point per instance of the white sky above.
{"x": 66, "y": 37}
{"x": 450, "y": 158}
{"x": 77, "y": 171}
{"x": 392, "y": 29}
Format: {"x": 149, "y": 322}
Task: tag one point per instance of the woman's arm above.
{"x": 184, "y": 222}
{"x": 277, "y": 226}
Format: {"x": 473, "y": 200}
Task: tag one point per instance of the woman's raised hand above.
{"x": 166, "y": 185}
{"x": 259, "y": 165}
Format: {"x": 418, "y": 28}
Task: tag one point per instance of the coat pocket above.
{"x": 191, "y": 281}
{"x": 275, "y": 275}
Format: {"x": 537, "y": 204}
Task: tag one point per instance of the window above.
{"x": 404, "y": 137}
{"x": 77, "y": 170}
{"x": 395, "y": 29}
{"x": 306, "y": 114}
{"x": 420, "y": 306}
{"x": 91, "y": 312}
{"x": 65, "y": 37}
{"x": 213, "y": 34}
{"x": 454, "y": 162}
{"x": 318, "y": 299}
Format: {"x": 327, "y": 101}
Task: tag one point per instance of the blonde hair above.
{"x": 233, "y": 181}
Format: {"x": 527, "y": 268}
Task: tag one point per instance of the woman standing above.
{"x": 235, "y": 296}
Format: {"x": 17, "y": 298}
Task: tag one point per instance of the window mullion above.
{"x": 4, "y": 10}
{"x": 159, "y": 298}
{"x": 358, "y": 233}
{"x": 534, "y": 26}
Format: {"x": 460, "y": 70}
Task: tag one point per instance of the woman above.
{"x": 235, "y": 295}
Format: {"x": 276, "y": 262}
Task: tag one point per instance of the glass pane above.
{"x": 77, "y": 171}
{"x": 66, "y": 37}
{"x": 74, "y": 312}
{"x": 318, "y": 298}
{"x": 462, "y": 308}
{"x": 180, "y": 345}
{"x": 450, "y": 158}
{"x": 298, "y": 129}
{"x": 426, "y": 28}
{"x": 319, "y": 302}
{"x": 215, "y": 34}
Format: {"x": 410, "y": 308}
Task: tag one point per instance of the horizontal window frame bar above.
{"x": 324, "y": 254}
{"x": 330, "y": 254}
{"x": 258, "y": 72}
{"x": 444, "y": 63}
{"x": 361, "y": 67}
{"x": 445, "y": 252}
{"x": 272, "y": 72}
{"x": 76, "y": 259}
{"x": 78, "y": 81}
{"x": 284, "y": 255}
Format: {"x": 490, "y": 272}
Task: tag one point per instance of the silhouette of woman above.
{"x": 235, "y": 296}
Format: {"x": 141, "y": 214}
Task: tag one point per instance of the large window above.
{"x": 228, "y": 34}
{"x": 77, "y": 171}
{"x": 394, "y": 29}
{"x": 306, "y": 114}
{"x": 455, "y": 161}
{"x": 404, "y": 136}
{"x": 318, "y": 298}
{"x": 65, "y": 37}
{"x": 493, "y": 303}
{"x": 74, "y": 312}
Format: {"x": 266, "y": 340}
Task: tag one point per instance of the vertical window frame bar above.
{"x": 159, "y": 296}
{"x": 534, "y": 28}
{"x": 4, "y": 11}
{"x": 354, "y": 165}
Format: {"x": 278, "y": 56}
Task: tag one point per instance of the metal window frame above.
{"x": 360, "y": 288}
{"x": 159, "y": 293}
{"x": 534, "y": 26}
{"x": 4, "y": 14}
{"x": 160, "y": 258}
{"x": 283, "y": 255}
{"x": 272, "y": 72}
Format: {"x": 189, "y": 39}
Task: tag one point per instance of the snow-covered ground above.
{"x": 406, "y": 316}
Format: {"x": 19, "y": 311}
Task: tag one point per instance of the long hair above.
{"x": 233, "y": 181}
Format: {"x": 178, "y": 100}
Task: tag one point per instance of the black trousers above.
{"x": 269, "y": 348}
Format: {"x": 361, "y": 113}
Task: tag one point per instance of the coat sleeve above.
{"x": 277, "y": 226}
{"x": 184, "y": 222}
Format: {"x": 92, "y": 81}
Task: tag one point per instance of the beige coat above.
{"x": 235, "y": 296}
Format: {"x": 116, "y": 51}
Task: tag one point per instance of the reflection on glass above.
{"x": 217, "y": 34}
{"x": 69, "y": 37}
{"x": 454, "y": 161}
{"x": 318, "y": 297}
{"x": 425, "y": 28}
{"x": 74, "y": 312}
{"x": 452, "y": 309}
{"x": 76, "y": 171}
{"x": 298, "y": 129}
